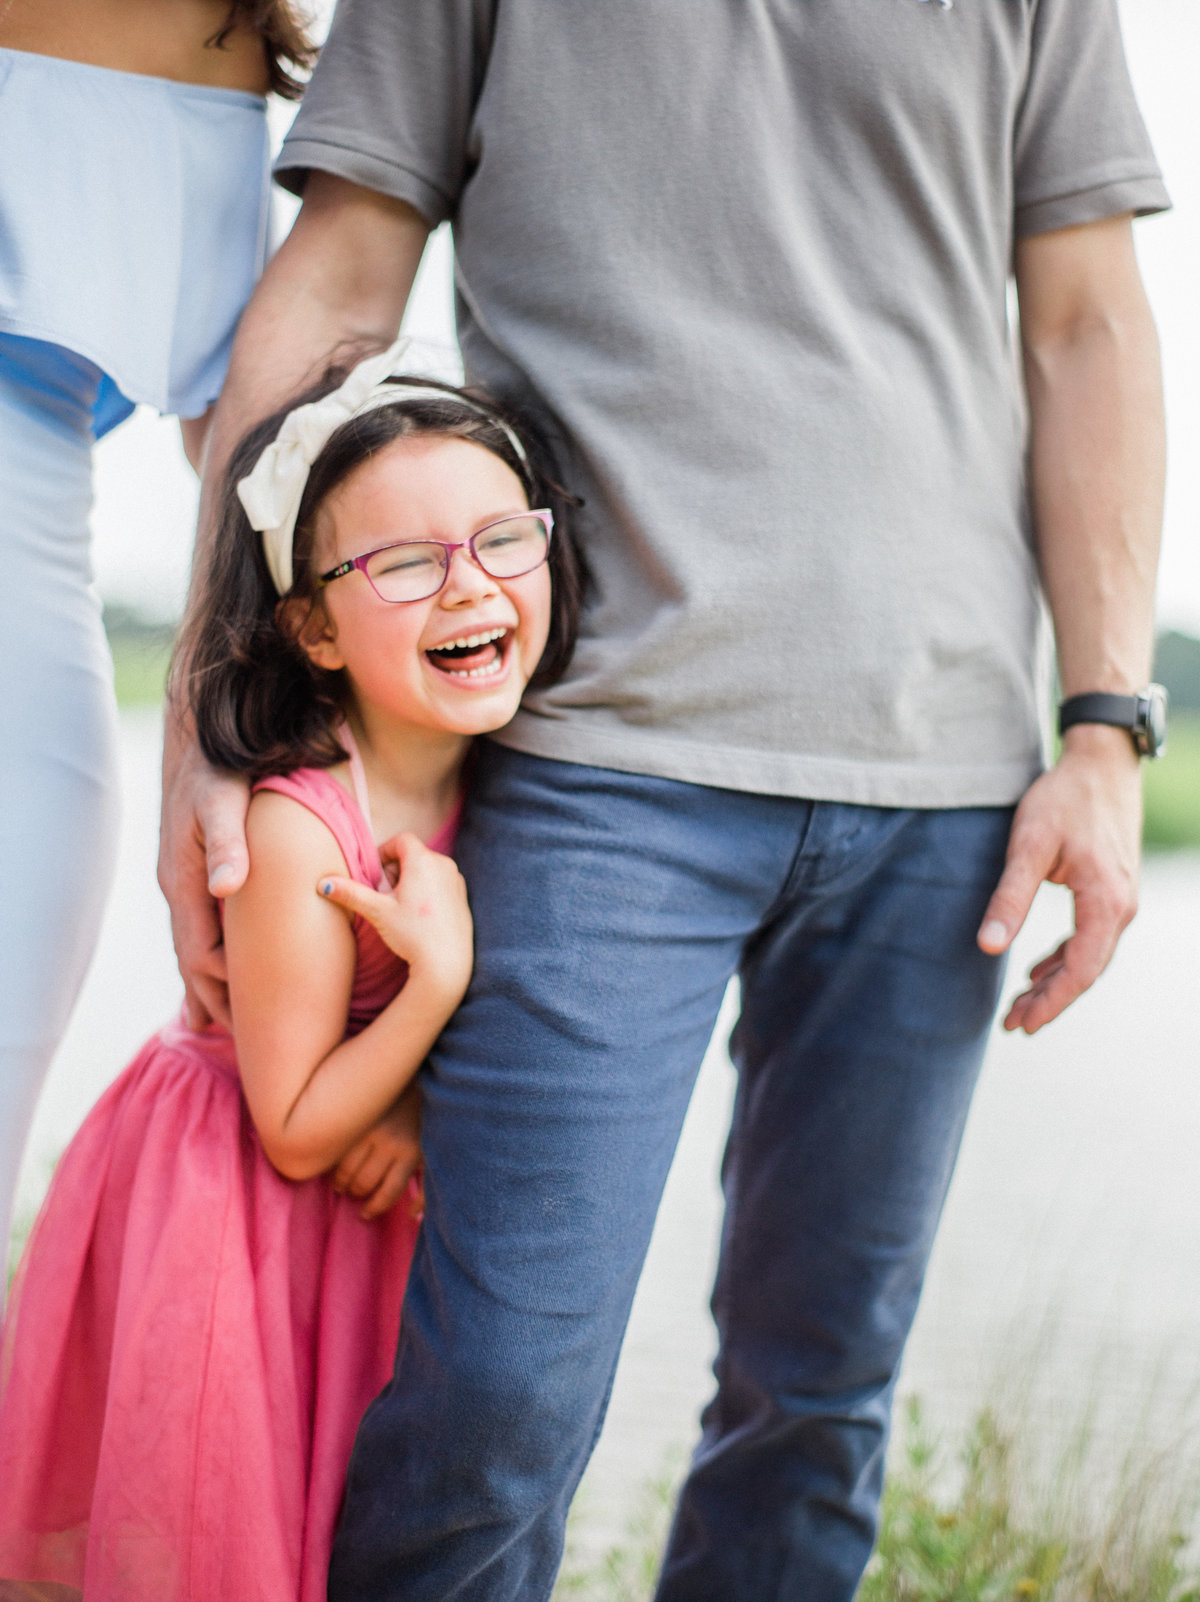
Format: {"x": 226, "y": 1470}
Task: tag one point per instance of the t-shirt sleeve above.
{"x": 391, "y": 101}
{"x": 1081, "y": 148}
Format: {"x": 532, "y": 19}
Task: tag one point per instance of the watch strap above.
{"x": 1122, "y": 711}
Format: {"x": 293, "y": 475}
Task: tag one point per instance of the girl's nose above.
{"x": 466, "y": 582}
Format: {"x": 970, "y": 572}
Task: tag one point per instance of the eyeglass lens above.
{"x": 413, "y": 571}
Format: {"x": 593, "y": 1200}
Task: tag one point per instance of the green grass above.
{"x": 141, "y": 654}
{"x": 625, "y": 1571}
{"x": 1096, "y": 1524}
{"x": 1024, "y": 1507}
{"x": 140, "y": 670}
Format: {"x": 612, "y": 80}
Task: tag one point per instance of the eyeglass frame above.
{"x": 543, "y": 515}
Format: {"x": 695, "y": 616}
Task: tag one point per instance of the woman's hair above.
{"x": 260, "y": 705}
{"x": 284, "y": 33}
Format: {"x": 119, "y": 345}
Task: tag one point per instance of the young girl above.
{"x": 203, "y": 1313}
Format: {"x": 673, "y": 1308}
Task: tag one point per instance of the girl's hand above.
{"x": 377, "y": 1169}
{"x": 425, "y": 918}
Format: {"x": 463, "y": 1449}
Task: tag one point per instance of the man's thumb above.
{"x": 1010, "y": 904}
{"x": 226, "y": 862}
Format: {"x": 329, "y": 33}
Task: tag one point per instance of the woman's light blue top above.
{"x": 133, "y": 224}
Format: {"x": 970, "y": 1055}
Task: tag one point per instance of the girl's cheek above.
{"x": 539, "y": 615}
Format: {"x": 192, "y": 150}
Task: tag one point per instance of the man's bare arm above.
{"x": 341, "y": 278}
{"x": 1097, "y": 466}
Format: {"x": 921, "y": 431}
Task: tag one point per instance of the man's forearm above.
{"x": 342, "y": 278}
{"x": 1096, "y": 453}
{"x": 1097, "y": 450}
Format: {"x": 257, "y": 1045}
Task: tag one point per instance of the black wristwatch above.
{"x": 1143, "y": 714}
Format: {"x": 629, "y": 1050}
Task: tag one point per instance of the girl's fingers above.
{"x": 387, "y": 1192}
{"x": 351, "y": 895}
{"x": 425, "y": 919}
{"x": 400, "y": 852}
{"x": 371, "y": 1172}
{"x": 347, "y": 1170}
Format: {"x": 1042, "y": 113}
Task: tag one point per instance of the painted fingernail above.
{"x": 993, "y": 933}
{"x": 327, "y": 888}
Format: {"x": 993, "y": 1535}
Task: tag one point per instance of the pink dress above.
{"x": 192, "y": 1338}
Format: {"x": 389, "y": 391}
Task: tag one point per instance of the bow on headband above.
{"x": 272, "y": 492}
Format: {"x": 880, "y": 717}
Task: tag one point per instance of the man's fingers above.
{"x": 202, "y": 852}
{"x": 222, "y": 820}
{"x": 1031, "y": 858}
{"x": 195, "y": 1010}
{"x": 1062, "y": 977}
{"x": 211, "y": 997}
{"x": 196, "y": 930}
{"x": 1043, "y": 969}
{"x": 1044, "y": 1001}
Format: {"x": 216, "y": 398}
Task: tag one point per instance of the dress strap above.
{"x": 358, "y": 776}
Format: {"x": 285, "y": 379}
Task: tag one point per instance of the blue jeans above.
{"x": 611, "y": 910}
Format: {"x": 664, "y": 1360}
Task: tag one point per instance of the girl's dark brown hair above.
{"x": 259, "y": 704}
{"x": 284, "y": 33}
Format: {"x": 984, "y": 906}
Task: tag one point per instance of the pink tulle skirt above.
{"x": 190, "y": 1345}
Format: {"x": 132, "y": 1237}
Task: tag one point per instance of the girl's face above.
{"x": 432, "y": 487}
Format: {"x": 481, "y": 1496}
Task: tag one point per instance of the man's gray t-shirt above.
{"x": 751, "y": 258}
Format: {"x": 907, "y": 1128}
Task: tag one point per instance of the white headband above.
{"x": 271, "y": 493}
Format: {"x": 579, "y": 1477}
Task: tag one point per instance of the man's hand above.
{"x": 1096, "y": 479}
{"x": 1079, "y": 825}
{"x": 377, "y": 1169}
{"x": 202, "y": 855}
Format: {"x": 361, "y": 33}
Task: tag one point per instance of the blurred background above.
{"x": 1066, "y": 1282}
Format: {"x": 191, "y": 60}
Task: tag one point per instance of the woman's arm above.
{"x": 291, "y": 953}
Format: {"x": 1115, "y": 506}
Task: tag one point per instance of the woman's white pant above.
{"x": 58, "y": 752}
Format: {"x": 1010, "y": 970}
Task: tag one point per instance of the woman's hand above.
{"x": 377, "y": 1169}
{"x": 425, "y": 918}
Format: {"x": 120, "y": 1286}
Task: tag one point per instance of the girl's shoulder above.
{"x": 321, "y": 795}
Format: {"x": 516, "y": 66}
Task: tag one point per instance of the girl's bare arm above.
{"x": 312, "y": 1093}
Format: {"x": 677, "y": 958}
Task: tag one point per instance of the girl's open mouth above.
{"x": 472, "y": 656}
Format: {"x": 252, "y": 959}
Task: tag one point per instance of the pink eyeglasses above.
{"x": 416, "y": 569}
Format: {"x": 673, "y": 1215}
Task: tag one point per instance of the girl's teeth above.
{"x": 477, "y": 673}
{"x": 470, "y": 640}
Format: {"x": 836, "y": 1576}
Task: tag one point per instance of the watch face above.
{"x": 1153, "y": 720}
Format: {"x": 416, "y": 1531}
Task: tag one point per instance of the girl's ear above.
{"x": 304, "y": 620}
